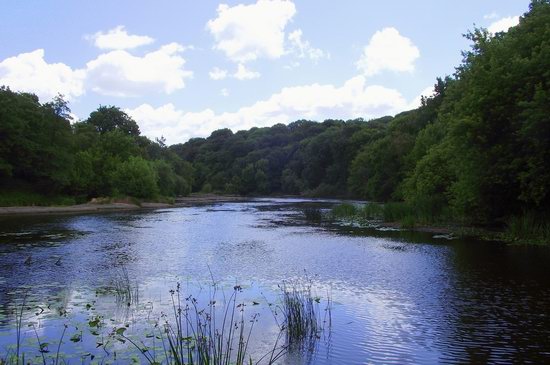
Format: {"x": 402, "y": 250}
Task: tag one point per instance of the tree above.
{"x": 136, "y": 177}
{"x": 111, "y": 118}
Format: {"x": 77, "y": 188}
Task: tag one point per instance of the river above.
{"x": 396, "y": 297}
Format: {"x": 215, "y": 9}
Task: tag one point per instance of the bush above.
{"x": 136, "y": 177}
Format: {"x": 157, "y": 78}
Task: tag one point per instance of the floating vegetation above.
{"x": 216, "y": 329}
{"x": 313, "y": 214}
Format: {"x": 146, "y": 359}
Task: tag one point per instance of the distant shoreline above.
{"x": 117, "y": 206}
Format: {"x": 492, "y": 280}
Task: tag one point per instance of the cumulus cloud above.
{"x": 245, "y": 74}
{"x": 351, "y": 100}
{"x": 224, "y": 92}
{"x": 119, "y": 73}
{"x": 417, "y": 101}
{"x": 492, "y": 15}
{"x": 502, "y": 25}
{"x": 31, "y": 73}
{"x": 248, "y": 32}
{"x": 302, "y": 48}
{"x": 388, "y": 51}
{"x": 118, "y": 38}
{"x": 217, "y": 74}
{"x": 242, "y": 73}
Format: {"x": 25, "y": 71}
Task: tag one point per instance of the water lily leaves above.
{"x": 77, "y": 337}
{"x": 95, "y": 322}
{"x": 44, "y": 348}
{"x": 120, "y": 331}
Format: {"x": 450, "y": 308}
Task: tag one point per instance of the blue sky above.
{"x": 182, "y": 69}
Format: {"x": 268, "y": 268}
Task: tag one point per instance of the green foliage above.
{"x": 371, "y": 211}
{"x": 110, "y": 118}
{"x": 344, "y": 210}
{"x": 478, "y": 150}
{"x": 20, "y": 193}
{"x": 528, "y": 228}
{"x": 136, "y": 177}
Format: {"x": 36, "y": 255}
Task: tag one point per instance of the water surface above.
{"x": 398, "y": 297}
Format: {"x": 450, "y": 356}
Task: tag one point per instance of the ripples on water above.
{"x": 398, "y": 297}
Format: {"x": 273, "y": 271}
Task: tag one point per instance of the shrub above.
{"x": 135, "y": 177}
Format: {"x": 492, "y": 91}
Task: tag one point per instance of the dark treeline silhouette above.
{"x": 478, "y": 150}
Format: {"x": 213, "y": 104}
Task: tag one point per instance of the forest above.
{"x": 477, "y": 151}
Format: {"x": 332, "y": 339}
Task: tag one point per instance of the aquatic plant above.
{"x": 528, "y": 228}
{"x": 213, "y": 330}
{"x": 371, "y": 211}
{"x": 303, "y": 324}
{"x": 126, "y": 292}
{"x": 344, "y": 210}
{"x": 313, "y": 214}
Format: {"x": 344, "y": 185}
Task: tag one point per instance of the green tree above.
{"x": 110, "y": 118}
{"x": 136, "y": 177}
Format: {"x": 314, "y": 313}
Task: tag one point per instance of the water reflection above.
{"x": 398, "y": 297}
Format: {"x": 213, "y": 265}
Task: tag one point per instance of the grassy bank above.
{"x": 524, "y": 229}
{"x": 12, "y": 198}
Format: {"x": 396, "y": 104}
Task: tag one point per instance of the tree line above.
{"x": 477, "y": 150}
{"x": 42, "y": 152}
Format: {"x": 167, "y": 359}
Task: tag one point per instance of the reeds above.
{"x": 528, "y": 228}
{"x": 213, "y": 330}
{"x": 126, "y": 293}
{"x": 218, "y": 333}
{"x": 303, "y": 324}
{"x": 344, "y": 210}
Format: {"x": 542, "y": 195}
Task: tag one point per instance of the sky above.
{"x": 183, "y": 69}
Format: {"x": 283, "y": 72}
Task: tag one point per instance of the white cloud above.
{"x": 388, "y": 50}
{"x": 242, "y": 73}
{"x": 492, "y": 15}
{"x": 217, "y": 74}
{"x": 247, "y": 32}
{"x": 351, "y": 100}
{"x": 118, "y": 73}
{"x": 303, "y": 48}
{"x": 502, "y": 25}
{"x": 224, "y": 92}
{"x": 31, "y": 73}
{"x": 417, "y": 101}
{"x": 118, "y": 38}
{"x": 245, "y": 74}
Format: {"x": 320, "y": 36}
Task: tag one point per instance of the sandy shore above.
{"x": 208, "y": 199}
{"x": 95, "y": 207}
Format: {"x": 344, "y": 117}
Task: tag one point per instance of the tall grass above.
{"x": 215, "y": 331}
{"x": 303, "y": 324}
{"x": 29, "y": 198}
{"x": 216, "y": 334}
{"x": 126, "y": 293}
{"x": 528, "y": 228}
{"x": 408, "y": 214}
{"x": 344, "y": 210}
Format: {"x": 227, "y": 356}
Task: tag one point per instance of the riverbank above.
{"x": 106, "y": 205}
{"x": 525, "y": 229}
